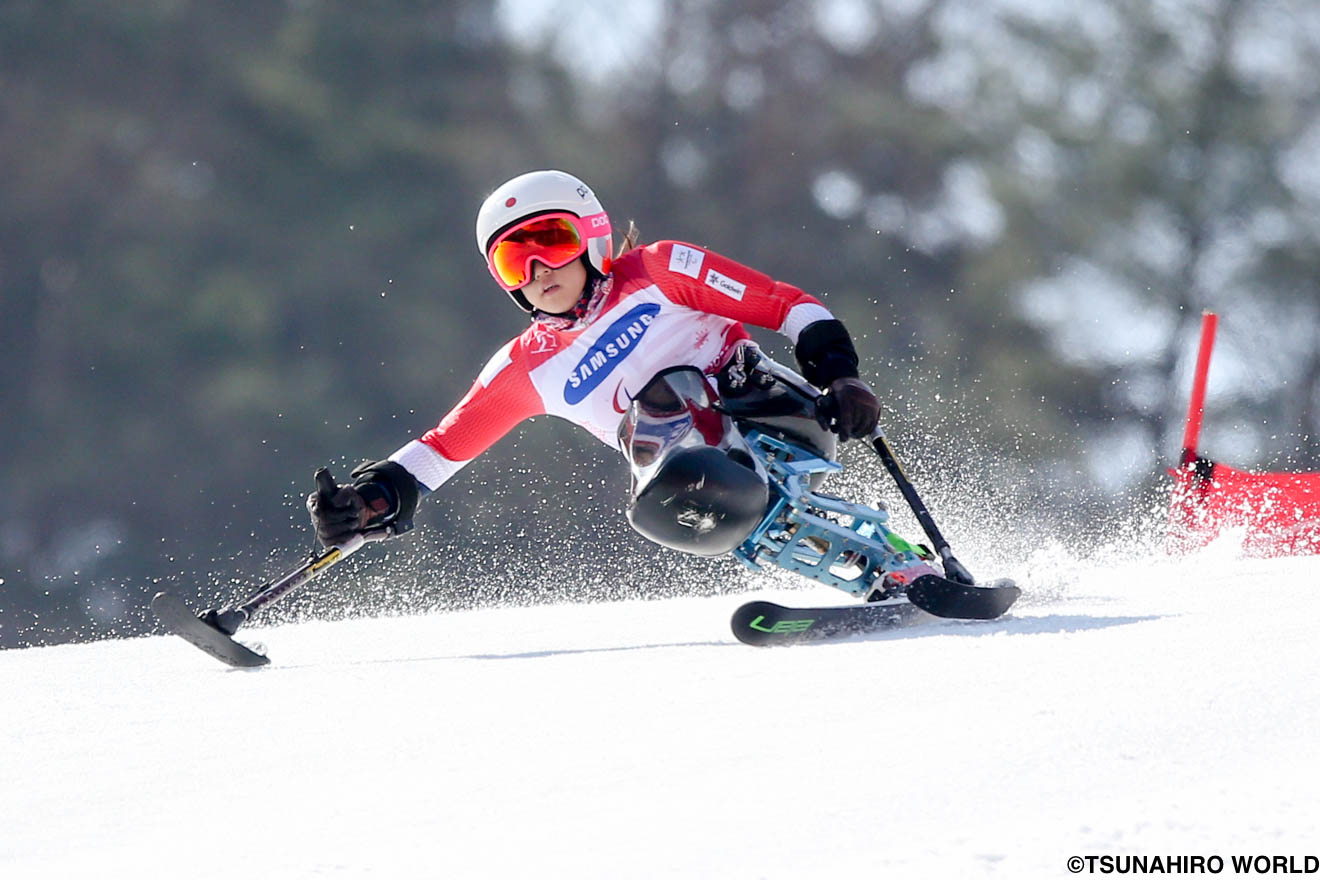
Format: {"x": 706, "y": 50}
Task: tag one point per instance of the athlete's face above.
{"x": 556, "y": 290}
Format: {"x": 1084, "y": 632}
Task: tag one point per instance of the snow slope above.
{"x": 1155, "y": 709}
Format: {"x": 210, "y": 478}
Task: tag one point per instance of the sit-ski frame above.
{"x": 796, "y": 534}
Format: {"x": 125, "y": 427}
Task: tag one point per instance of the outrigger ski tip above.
{"x": 218, "y": 641}
{"x": 179, "y": 620}
{"x": 946, "y": 598}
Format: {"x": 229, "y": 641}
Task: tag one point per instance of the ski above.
{"x": 928, "y": 597}
{"x": 765, "y": 623}
{"x": 179, "y": 620}
{"x": 945, "y": 598}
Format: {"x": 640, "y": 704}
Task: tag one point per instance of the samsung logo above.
{"x": 615, "y": 344}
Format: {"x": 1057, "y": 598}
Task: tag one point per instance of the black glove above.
{"x": 829, "y": 361}
{"x": 338, "y": 512}
{"x": 852, "y": 408}
{"x": 383, "y": 493}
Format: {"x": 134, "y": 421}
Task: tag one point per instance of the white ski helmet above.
{"x": 543, "y": 192}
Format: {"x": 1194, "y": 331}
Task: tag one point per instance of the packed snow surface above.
{"x": 1154, "y": 708}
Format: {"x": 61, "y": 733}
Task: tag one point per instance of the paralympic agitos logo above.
{"x": 609, "y": 350}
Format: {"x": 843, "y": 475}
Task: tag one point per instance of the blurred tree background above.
{"x": 236, "y": 243}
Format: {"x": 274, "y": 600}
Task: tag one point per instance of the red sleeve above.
{"x": 500, "y": 398}
{"x": 708, "y": 282}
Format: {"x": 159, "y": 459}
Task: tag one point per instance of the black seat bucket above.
{"x": 701, "y": 501}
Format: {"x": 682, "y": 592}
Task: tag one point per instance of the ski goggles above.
{"x": 553, "y": 239}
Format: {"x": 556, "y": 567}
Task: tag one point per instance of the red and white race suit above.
{"x": 668, "y": 304}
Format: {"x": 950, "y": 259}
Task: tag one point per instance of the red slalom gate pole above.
{"x": 1196, "y": 405}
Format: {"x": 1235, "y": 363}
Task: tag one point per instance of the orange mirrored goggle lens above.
{"x": 554, "y": 241}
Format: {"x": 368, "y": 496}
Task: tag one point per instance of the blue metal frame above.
{"x": 832, "y": 541}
